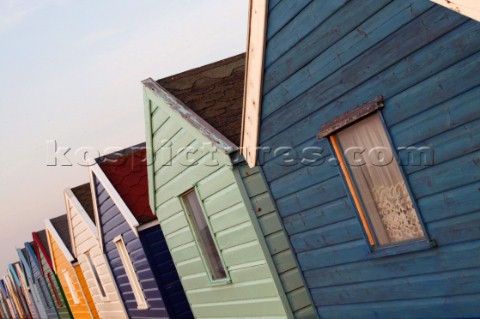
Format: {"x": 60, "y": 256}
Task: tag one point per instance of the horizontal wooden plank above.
{"x": 451, "y": 203}
{"x": 330, "y": 235}
{"x": 375, "y": 37}
{"x": 387, "y": 73}
{"x": 443, "y": 147}
{"x": 454, "y": 230}
{"x": 334, "y": 19}
{"x": 437, "y": 260}
{"x": 436, "y": 120}
{"x": 463, "y": 306}
{"x": 317, "y": 217}
{"x": 455, "y": 173}
{"x": 442, "y": 284}
{"x": 300, "y": 25}
{"x": 311, "y": 197}
{"x": 333, "y": 255}
{"x": 280, "y": 12}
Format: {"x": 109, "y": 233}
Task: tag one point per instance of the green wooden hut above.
{"x": 220, "y": 224}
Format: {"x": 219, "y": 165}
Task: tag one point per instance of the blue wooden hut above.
{"x": 35, "y": 304}
{"x": 45, "y": 306}
{"x": 131, "y": 237}
{"x": 367, "y": 121}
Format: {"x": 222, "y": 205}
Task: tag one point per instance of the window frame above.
{"x": 96, "y": 277}
{"x": 329, "y": 131}
{"x": 71, "y": 288}
{"x": 132, "y": 277}
{"x": 198, "y": 243}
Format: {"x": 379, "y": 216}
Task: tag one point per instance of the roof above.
{"x": 83, "y": 193}
{"x": 127, "y": 172}
{"x": 60, "y": 224}
{"x": 42, "y": 236}
{"x": 214, "y": 92}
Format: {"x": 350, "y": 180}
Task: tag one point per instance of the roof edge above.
{"x": 53, "y": 231}
{"x": 97, "y": 171}
{"x": 192, "y": 118}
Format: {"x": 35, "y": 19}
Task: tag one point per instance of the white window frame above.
{"x": 130, "y": 271}
{"x": 69, "y": 282}
{"x": 96, "y": 277}
{"x": 194, "y": 229}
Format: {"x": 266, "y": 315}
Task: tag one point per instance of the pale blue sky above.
{"x": 70, "y": 71}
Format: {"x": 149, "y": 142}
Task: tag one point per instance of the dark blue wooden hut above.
{"x": 132, "y": 239}
{"x": 369, "y": 132}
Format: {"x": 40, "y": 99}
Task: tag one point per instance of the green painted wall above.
{"x": 278, "y": 245}
{"x": 254, "y": 290}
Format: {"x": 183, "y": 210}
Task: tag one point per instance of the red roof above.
{"x": 127, "y": 171}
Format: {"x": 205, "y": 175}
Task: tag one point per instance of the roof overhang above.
{"x": 198, "y": 123}
{"x": 97, "y": 172}
{"x": 63, "y": 248}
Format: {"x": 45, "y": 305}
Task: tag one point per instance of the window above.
{"x": 130, "y": 270}
{"x": 376, "y": 183}
{"x": 95, "y": 275}
{"x": 72, "y": 290}
{"x": 203, "y": 235}
{"x": 55, "y": 293}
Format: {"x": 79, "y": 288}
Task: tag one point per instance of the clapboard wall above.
{"x": 84, "y": 240}
{"x": 253, "y": 291}
{"x": 43, "y": 292}
{"x": 322, "y": 59}
{"x": 165, "y": 273}
{"x": 277, "y": 241}
{"x": 113, "y": 224}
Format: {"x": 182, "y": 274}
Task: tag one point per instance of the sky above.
{"x": 70, "y": 76}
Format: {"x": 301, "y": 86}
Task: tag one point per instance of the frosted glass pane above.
{"x": 379, "y": 182}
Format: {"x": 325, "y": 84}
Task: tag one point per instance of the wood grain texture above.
{"x": 252, "y": 291}
{"x": 82, "y": 309}
{"x": 86, "y": 242}
{"x": 425, "y": 60}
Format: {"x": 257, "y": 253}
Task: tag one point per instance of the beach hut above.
{"x": 26, "y": 289}
{"x": 220, "y": 224}
{"x": 364, "y": 117}
{"x": 86, "y": 249}
{"x": 8, "y": 306}
{"x": 17, "y": 283}
{"x": 43, "y": 251}
{"x": 45, "y": 306}
{"x": 68, "y": 269}
{"x": 131, "y": 237}
{"x": 15, "y": 296}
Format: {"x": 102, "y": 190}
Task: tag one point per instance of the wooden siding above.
{"x": 323, "y": 58}
{"x": 30, "y": 283}
{"x": 113, "y": 224}
{"x": 27, "y": 292}
{"x": 165, "y": 273}
{"x": 277, "y": 240}
{"x": 82, "y": 309}
{"x": 63, "y": 309}
{"x": 85, "y": 241}
{"x": 40, "y": 285}
{"x": 253, "y": 292}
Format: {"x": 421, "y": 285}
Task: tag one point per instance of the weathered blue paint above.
{"x": 165, "y": 273}
{"x": 39, "y": 310}
{"x": 45, "y": 300}
{"x": 323, "y": 58}
{"x": 163, "y": 301}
